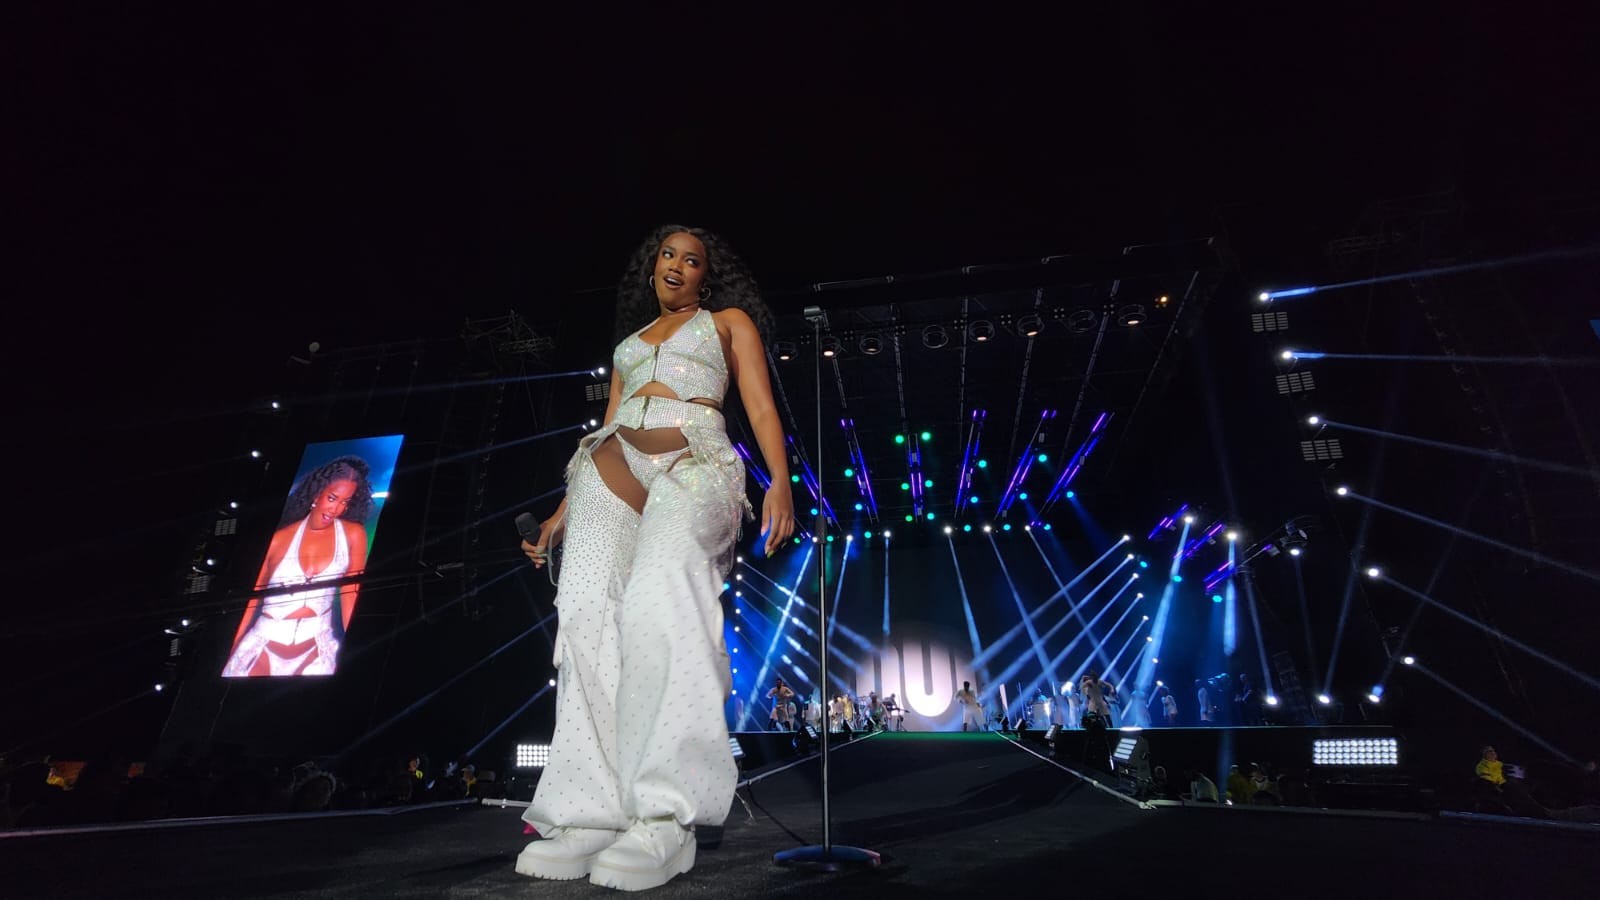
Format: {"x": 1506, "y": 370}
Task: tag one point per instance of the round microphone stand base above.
{"x": 817, "y": 858}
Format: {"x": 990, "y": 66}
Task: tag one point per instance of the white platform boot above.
{"x": 647, "y": 855}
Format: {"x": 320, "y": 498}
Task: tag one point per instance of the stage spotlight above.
{"x": 871, "y": 343}
{"x": 233, "y": 504}
{"x": 987, "y": 529}
{"x": 531, "y": 756}
{"x": 1188, "y": 520}
{"x": 1024, "y": 494}
{"x": 735, "y": 628}
{"x": 973, "y": 499}
{"x": 981, "y": 330}
{"x": 1233, "y": 535}
{"x": 859, "y": 507}
{"x": 1071, "y": 494}
{"x": 948, "y": 529}
{"x": 1313, "y": 420}
{"x": 927, "y": 482}
{"x": 1160, "y": 683}
{"x": 849, "y": 537}
{"x": 784, "y": 350}
{"x": 1265, "y": 297}
{"x": 966, "y": 528}
{"x": 1081, "y": 321}
{"x": 1027, "y": 528}
{"x": 1374, "y": 697}
{"x": 1149, "y": 639}
{"x": 899, "y": 439}
{"x": 1030, "y": 325}
{"x": 1154, "y": 660}
{"x": 1047, "y": 526}
{"x": 1409, "y": 660}
{"x": 1272, "y": 700}
{"x": 1131, "y": 315}
{"x": 277, "y": 405}
{"x": 1324, "y": 699}
{"x": 934, "y": 337}
{"x": 1127, "y": 538}
{"x": 1286, "y": 355}
{"x": 1374, "y": 572}
{"x": 1216, "y": 598}
{"x": 1130, "y": 557}
{"x": 830, "y": 347}
{"x": 1145, "y": 618}
{"x": 1342, "y": 491}
{"x": 738, "y": 559}
{"x": 1162, "y": 300}
{"x": 886, "y": 534}
{"x": 983, "y": 464}
{"x": 1294, "y": 551}
{"x": 1177, "y": 579}
{"x": 552, "y": 682}
{"x": 594, "y": 423}
{"x": 1346, "y": 752}
{"x": 926, "y": 436}
{"x": 255, "y": 454}
{"x": 600, "y": 371}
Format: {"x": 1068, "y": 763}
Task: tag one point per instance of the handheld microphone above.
{"x": 528, "y": 527}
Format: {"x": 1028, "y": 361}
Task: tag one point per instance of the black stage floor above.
{"x": 951, "y": 814}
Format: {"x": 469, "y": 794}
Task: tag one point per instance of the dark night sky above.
{"x": 196, "y": 194}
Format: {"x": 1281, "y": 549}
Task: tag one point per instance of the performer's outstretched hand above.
{"x": 777, "y": 516}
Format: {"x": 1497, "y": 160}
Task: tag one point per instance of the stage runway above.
{"x": 952, "y": 815}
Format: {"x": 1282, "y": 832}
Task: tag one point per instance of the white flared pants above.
{"x": 642, "y": 666}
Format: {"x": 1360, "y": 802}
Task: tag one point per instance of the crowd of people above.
{"x": 45, "y": 792}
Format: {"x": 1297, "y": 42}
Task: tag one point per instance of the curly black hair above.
{"x": 305, "y": 491}
{"x": 726, "y": 275}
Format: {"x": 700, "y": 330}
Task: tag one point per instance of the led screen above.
{"x": 304, "y": 600}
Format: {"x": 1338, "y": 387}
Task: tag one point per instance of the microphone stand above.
{"x": 827, "y": 856}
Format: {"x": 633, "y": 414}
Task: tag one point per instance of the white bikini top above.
{"x": 289, "y": 573}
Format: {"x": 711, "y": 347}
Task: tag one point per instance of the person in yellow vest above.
{"x": 1490, "y": 768}
{"x": 1507, "y": 785}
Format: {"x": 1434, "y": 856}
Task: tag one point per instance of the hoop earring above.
{"x": 651, "y": 281}
{"x": 705, "y": 294}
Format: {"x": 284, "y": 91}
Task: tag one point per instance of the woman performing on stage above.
{"x": 654, "y": 500}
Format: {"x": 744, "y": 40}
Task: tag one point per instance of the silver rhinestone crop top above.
{"x": 690, "y": 362}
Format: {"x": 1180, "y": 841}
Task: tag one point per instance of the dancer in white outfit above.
{"x": 971, "y": 710}
{"x": 321, "y": 539}
{"x": 654, "y": 498}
